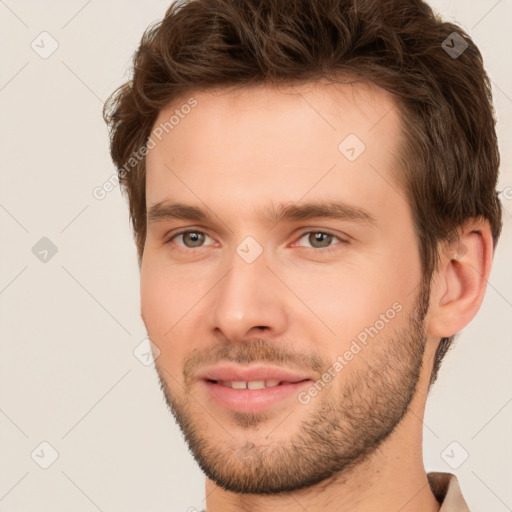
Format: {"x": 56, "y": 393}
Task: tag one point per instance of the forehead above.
{"x": 335, "y": 104}
{"x": 267, "y": 140}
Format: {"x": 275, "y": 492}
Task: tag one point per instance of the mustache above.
{"x": 258, "y": 350}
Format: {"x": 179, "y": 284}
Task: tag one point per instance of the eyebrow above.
{"x": 290, "y": 212}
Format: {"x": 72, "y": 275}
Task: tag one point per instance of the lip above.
{"x": 231, "y": 372}
{"x": 251, "y": 400}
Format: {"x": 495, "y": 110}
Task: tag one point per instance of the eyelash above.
{"x": 323, "y": 249}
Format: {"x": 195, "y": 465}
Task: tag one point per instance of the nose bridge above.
{"x": 248, "y": 296}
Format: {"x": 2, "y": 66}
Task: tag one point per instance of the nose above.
{"x": 248, "y": 300}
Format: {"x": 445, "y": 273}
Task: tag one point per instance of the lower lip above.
{"x": 252, "y": 400}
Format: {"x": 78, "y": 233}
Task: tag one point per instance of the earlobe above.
{"x": 461, "y": 280}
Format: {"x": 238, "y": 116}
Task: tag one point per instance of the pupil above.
{"x": 195, "y": 237}
{"x": 318, "y": 237}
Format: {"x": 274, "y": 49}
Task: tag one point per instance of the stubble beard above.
{"x": 347, "y": 421}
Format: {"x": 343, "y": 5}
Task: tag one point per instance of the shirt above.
{"x": 445, "y": 487}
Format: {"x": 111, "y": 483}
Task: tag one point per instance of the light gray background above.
{"x": 68, "y": 374}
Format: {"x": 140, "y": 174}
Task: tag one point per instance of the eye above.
{"x": 320, "y": 239}
{"x": 192, "y": 239}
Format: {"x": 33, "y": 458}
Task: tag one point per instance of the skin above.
{"x": 357, "y": 445}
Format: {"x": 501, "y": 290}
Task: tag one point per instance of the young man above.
{"x": 312, "y": 190}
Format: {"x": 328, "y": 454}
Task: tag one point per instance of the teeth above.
{"x": 253, "y": 384}
{"x": 256, "y": 384}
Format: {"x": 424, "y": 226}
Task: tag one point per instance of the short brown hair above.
{"x": 450, "y": 159}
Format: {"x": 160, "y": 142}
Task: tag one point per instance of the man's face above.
{"x": 238, "y": 290}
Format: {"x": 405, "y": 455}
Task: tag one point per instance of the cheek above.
{"x": 158, "y": 297}
{"x": 170, "y": 300}
{"x": 344, "y": 299}
{"x": 350, "y": 297}
{"x": 160, "y": 306}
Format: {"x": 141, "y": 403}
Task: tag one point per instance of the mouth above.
{"x": 252, "y": 389}
{"x": 253, "y": 384}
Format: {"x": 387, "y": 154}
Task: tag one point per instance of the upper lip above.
{"x": 231, "y": 372}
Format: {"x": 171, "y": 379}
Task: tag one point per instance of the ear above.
{"x": 459, "y": 285}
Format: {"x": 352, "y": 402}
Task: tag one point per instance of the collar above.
{"x": 446, "y": 489}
